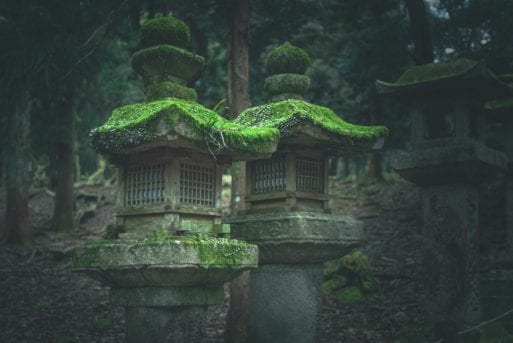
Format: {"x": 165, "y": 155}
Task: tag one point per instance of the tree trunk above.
{"x": 17, "y": 227}
{"x": 236, "y": 324}
{"x": 420, "y": 29}
{"x": 63, "y": 215}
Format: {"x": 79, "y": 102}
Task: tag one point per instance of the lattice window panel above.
{"x": 268, "y": 175}
{"x": 197, "y": 184}
{"x": 145, "y": 185}
{"x": 309, "y": 174}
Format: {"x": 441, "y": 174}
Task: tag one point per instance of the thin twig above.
{"x": 481, "y": 324}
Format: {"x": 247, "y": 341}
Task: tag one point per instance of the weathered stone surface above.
{"x": 167, "y": 325}
{"x": 285, "y": 302}
{"x": 298, "y": 237}
{"x": 449, "y": 161}
{"x": 168, "y": 263}
{"x": 450, "y": 256}
{"x": 167, "y": 296}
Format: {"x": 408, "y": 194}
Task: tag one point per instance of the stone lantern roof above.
{"x": 171, "y": 118}
{"x": 459, "y": 76}
{"x": 302, "y": 123}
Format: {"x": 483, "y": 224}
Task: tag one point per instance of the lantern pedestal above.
{"x": 166, "y": 284}
{"x": 285, "y": 297}
{"x": 450, "y": 176}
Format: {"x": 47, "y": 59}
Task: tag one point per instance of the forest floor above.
{"x": 43, "y": 300}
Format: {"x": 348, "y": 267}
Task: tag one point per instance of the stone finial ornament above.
{"x": 164, "y": 63}
{"x": 286, "y": 65}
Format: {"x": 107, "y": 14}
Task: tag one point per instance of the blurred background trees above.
{"x": 65, "y": 65}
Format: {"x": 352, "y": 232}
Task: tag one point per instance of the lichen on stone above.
{"x": 287, "y": 59}
{"x": 287, "y": 114}
{"x": 165, "y": 30}
{"x": 133, "y": 125}
{"x": 210, "y": 252}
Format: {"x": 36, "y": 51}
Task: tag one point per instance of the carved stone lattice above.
{"x": 197, "y": 184}
{"x": 268, "y": 175}
{"x": 145, "y": 185}
{"x": 309, "y": 174}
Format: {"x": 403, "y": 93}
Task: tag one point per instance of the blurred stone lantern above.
{"x": 168, "y": 265}
{"x": 448, "y": 159}
{"x": 287, "y": 208}
{"x": 496, "y": 281}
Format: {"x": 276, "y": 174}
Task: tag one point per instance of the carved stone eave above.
{"x": 298, "y": 237}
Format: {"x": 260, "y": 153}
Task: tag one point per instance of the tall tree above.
{"x": 17, "y": 227}
{"x": 236, "y": 329}
{"x": 420, "y": 29}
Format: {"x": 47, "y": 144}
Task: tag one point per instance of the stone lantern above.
{"x": 287, "y": 213}
{"x": 448, "y": 159}
{"x": 496, "y": 281}
{"x": 169, "y": 263}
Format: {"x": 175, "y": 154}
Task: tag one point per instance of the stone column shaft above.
{"x": 450, "y": 253}
{"x": 285, "y": 301}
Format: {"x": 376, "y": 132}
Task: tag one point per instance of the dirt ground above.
{"x": 43, "y": 300}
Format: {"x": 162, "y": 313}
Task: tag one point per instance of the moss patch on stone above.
{"x": 286, "y": 59}
{"x": 163, "y": 90}
{"x": 210, "y": 251}
{"x": 287, "y": 83}
{"x": 502, "y": 104}
{"x": 133, "y": 125}
{"x": 288, "y": 113}
{"x": 165, "y": 30}
{"x": 167, "y": 59}
{"x": 350, "y": 279}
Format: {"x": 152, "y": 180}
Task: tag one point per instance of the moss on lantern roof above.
{"x": 133, "y": 125}
{"x": 165, "y": 30}
{"x": 502, "y": 104}
{"x": 436, "y": 71}
{"x": 285, "y": 114}
{"x": 287, "y": 59}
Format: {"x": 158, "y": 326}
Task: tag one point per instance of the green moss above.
{"x": 435, "y": 71}
{"x": 287, "y": 96}
{"x": 495, "y": 332}
{"x": 133, "y": 125}
{"x": 350, "y": 279}
{"x": 167, "y": 59}
{"x": 211, "y": 251}
{"x": 349, "y": 295}
{"x": 286, "y": 114}
{"x": 501, "y": 104}
{"x": 287, "y": 83}
{"x": 165, "y": 30}
{"x": 286, "y": 59}
{"x": 164, "y": 90}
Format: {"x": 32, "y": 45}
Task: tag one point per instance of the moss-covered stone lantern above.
{"x": 448, "y": 159}
{"x": 287, "y": 213}
{"x": 169, "y": 264}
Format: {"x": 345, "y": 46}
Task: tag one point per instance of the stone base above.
{"x": 166, "y": 314}
{"x": 285, "y": 301}
{"x": 166, "y": 324}
{"x": 496, "y": 296}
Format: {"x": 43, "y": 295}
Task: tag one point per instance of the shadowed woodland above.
{"x": 66, "y": 65}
